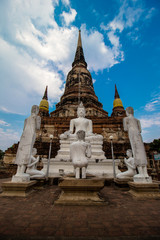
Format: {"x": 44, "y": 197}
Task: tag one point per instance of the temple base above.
{"x": 21, "y": 189}
{"x": 80, "y": 192}
{"x": 144, "y": 190}
{"x": 102, "y": 169}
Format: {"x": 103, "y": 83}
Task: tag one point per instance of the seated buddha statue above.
{"x": 81, "y": 123}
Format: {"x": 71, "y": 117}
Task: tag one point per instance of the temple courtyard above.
{"x": 36, "y": 217}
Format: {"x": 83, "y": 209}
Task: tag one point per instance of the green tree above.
{"x": 155, "y": 145}
{"x": 1, "y": 154}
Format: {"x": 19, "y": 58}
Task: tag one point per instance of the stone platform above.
{"x": 36, "y": 218}
{"x": 144, "y": 190}
{"x": 96, "y": 146}
{"x": 122, "y": 183}
{"x": 102, "y": 169}
{"x": 12, "y": 189}
{"x": 40, "y": 183}
{"x": 80, "y": 192}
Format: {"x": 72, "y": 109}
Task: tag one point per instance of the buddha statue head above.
{"x": 129, "y": 111}
{"x": 81, "y": 112}
{"x": 34, "y": 110}
{"x": 129, "y": 153}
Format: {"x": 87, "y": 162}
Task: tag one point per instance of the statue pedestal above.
{"x": 144, "y": 190}
{"x": 20, "y": 189}
{"x": 64, "y": 152}
{"x": 102, "y": 169}
{"x": 140, "y": 179}
{"x": 80, "y": 192}
{"x": 21, "y": 178}
{"x": 122, "y": 183}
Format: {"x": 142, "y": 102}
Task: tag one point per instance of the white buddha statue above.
{"x": 32, "y": 167}
{"x": 81, "y": 123}
{"x": 133, "y": 127}
{"x": 23, "y": 156}
{"x": 130, "y": 165}
{"x": 80, "y": 151}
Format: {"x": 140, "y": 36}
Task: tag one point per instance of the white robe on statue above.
{"x": 132, "y": 125}
{"x": 27, "y": 140}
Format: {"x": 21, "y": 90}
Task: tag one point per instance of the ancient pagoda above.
{"x": 79, "y": 87}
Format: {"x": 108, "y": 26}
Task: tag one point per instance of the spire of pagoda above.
{"x": 116, "y": 93}
{"x": 79, "y": 56}
{"x": 46, "y": 93}
{"x": 117, "y": 101}
{"x": 118, "y": 109}
{"x": 44, "y": 105}
{"x": 79, "y": 44}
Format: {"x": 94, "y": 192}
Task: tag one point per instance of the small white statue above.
{"x": 79, "y": 152}
{"x": 81, "y": 123}
{"x": 130, "y": 165}
{"x": 32, "y": 167}
{"x": 23, "y": 157}
{"x": 133, "y": 127}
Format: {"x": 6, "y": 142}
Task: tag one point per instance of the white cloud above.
{"x": 150, "y": 107}
{"x": 151, "y": 12}
{"x": 148, "y": 121}
{"x": 8, "y": 137}
{"x": 4, "y": 109}
{"x": 154, "y": 104}
{"x": 25, "y": 80}
{"x": 98, "y": 55}
{"x": 126, "y": 17}
{"x": 16, "y": 15}
{"x": 134, "y": 35}
{"x": 66, "y": 2}
{"x": 3, "y": 123}
{"x": 113, "y": 38}
{"x": 150, "y": 127}
{"x": 69, "y": 17}
{"x": 129, "y": 14}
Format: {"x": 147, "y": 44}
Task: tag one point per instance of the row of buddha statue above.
{"x": 79, "y": 144}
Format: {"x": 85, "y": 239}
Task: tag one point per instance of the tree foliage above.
{"x": 1, "y": 154}
{"x": 155, "y": 145}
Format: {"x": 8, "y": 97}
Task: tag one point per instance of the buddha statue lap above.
{"x": 81, "y": 123}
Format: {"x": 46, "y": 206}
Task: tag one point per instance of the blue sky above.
{"x": 121, "y": 43}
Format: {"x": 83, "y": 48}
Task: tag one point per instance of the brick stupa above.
{"x": 79, "y": 87}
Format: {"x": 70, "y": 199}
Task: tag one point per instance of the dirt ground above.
{"x": 36, "y": 217}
